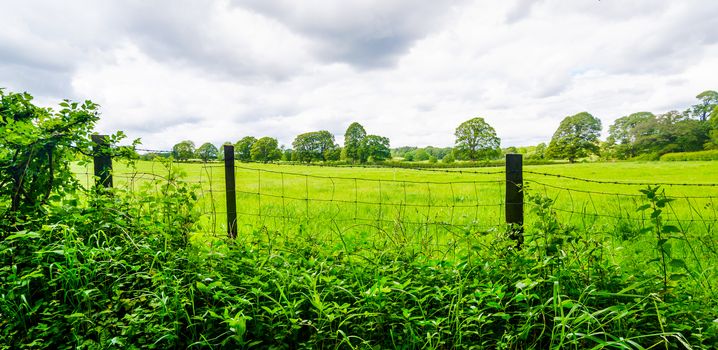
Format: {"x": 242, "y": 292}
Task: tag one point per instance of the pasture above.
{"x": 353, "y": 256}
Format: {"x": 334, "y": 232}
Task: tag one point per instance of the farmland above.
{"x": 355, "y": 257}
{"x": 350, "y": 257}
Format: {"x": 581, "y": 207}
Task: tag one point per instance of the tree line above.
{"x": 640, "y": 135}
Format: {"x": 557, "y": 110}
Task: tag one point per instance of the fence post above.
{"x": 102, "y": 161}
{"x": 515, "y": 197}
{"x": 230, "y": 191}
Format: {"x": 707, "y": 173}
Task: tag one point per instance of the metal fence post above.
{"x": 102, "y": 161}
{"x": 230, "y": 191}
{"x": 515, "y": 197}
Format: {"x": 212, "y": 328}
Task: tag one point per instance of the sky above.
{"x": 410, "y": 70}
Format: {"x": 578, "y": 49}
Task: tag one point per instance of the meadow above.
{"x": 352, "y": 257}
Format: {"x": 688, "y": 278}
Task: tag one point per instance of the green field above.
{"x": 270, "y": 195}
{"x": 353, "y": 257}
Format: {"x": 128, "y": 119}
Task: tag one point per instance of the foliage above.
{"x": 287, "y": 155}
{"x": 448, "y": 159}
{"x": 311, "y": 146}
{"x": 353, "y": 142}
{"x": 622, "y": 134}
{"x": 243, "y": 148}
{"x": 333, "y": 154}
{"x": 576, "y": 137}
{"x": 714, "y": 129}
{"x": 476, "y": 139}
{"x": 376, "y": 147}
{"x": 670, "y": 132}
{"x": 36, "y": 146}
{"x": 686, "y": 156}
{"x": 207, "y": 151}
{"x": 702, "y": 110}
{"x": 220, "y": 150}
{"x": 265, "y": 150}
{"x": 183, "y": 150}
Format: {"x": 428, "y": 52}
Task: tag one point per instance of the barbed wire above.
{"x": 365, "y": 179}
{"x": 612, "y": 182}
{"x": 437, "y": 206}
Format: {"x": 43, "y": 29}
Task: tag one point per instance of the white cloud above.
{"x": 216, "y": 71}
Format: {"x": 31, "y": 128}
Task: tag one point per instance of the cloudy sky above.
{"x": 412, "y": 70}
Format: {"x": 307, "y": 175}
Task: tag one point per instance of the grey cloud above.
{"x": 364, "y": 34}
{"x": 520, "y": 10}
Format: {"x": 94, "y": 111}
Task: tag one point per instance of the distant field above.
{"x": 327, "y": 200}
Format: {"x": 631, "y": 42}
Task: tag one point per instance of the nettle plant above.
{"x": 37, "y": 146}
{"x": 670, "y": 269}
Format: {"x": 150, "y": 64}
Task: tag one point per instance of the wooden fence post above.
{"x": 230, "y": 191}
{"x": 515, "y": 197}
{"x": 102, "y": 161}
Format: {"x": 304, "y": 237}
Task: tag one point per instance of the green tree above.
{"x": 670, "y": 132}
{"x": 622, "y": 134}
{"x": 421, "y": 155}
{"x": 352, "y": 142}
{"x": 540, "y": 151}
{"x": 714, "y": 129}
{"x": 207, "y": 151}
{"x": 376, "y": 147}
{"x": 702, "y": 110}
{"x": 183, "y": 150}
{"x": 576, "y": 137}
{"x": 409, "y": 156}
{"x": 243, "y": 148}
{"x": 265, "y": 150}
{"x": 287, "y": 155}
{"x": 476, "y": 139}
{"x": 333, "y": 154}
{"x": 311, "y": 146}
{"x": 220, "y": 150}
{"x": 449, "y": 158}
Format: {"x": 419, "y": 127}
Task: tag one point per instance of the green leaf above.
{"x": 643, "y": 207}
{"x": 678, "y": 263}
{"x": 670, "y": 229}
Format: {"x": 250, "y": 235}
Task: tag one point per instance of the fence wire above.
{"x": 433, "y": 210}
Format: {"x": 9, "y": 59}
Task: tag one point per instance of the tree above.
{"x": 540, "y": 151}
{"x": 421, "y": 155}
{"x": 265, "y": 150}
{"x": 243, "y": 148}
{"x": 287, "y": 155}
{"x": 409, "y": 156}
{"x": 702, "y": 110}
{"x": 311, "y": 146}
{"x": 220, "y": 151}
{"x": 207, "y": 151}
{"x": 376, "y": 147}
{"x": 622, "y": 134}
{"x": 448, "y": 159}
{"x": 670, "y": 132}
{"x": 183, "y": 150}
{"x": 476, "y": 139}
{"x": 576, "y": 136}
{"x": 352, "y": 142}
{"x": 714, "y": 129}
{"x": 333, "y": 154}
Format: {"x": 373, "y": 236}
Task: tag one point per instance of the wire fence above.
{"x": 430, "y": 209}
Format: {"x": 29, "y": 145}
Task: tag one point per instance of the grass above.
{"x": 428, "y": 268}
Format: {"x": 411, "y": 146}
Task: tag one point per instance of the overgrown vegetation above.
{"x": 89, "y": 268}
